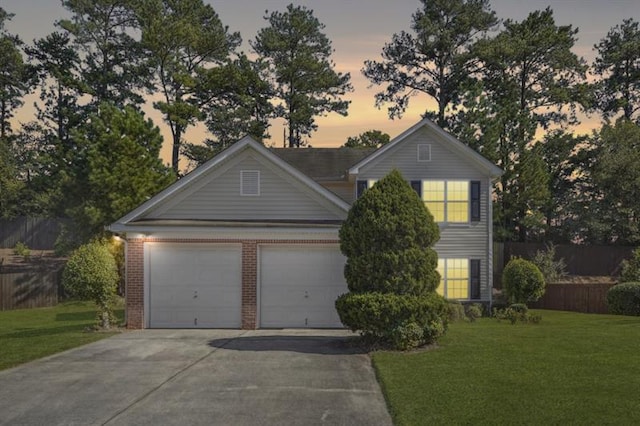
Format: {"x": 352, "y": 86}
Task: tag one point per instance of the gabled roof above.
{"x": 323, "y": 164}
{"x": 231, "y": 152}
{"x": 457, "y": 146}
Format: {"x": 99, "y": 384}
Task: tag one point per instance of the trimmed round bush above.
{"x": 91, "y": 274}
{"x": 624, "y": 299}
{"x": 522, "y": 281}
{"x": 392, "y": 319}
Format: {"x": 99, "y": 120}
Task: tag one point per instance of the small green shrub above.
{"x": 91, "y": 274}
{"x": 516, "y": 313}
{"x": 407, "y": 336}
{"x": 535, "y": 319}
{"x": 630, "y": 269}
{"x": 522, "y": 281}
{"x": 552, "y": 270}
{"x": 21, "y": 249}
{"x": 454, "y": 310}
{"x": 520, "y": 307}
{"x": 624, "y": 299}
{"x": 434, "y": 330}
{"x": 473, "y": 312}
{"x": 385, "y": 318}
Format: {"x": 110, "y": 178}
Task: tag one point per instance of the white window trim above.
{"x": 256, "y": 175}
{"x": 446, "y": 199}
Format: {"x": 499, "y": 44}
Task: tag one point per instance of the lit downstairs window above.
{"x": 454, "y": 278}
{"x": 459, "y": 278}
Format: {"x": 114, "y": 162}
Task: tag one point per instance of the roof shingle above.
{"x": 323, "y": 164}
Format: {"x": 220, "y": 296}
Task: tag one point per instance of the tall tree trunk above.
{"x": 3, "y": 121}
{"x": 175, "y": 150}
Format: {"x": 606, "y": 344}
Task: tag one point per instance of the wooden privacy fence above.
{"x": 580, "y": 259}
{"x": 36, "y": 232}
{"x": 32, "y": 285}
{"x": 586, "y": 298}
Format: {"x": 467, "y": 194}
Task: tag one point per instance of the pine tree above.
{"x": 434, "y": 58}
{"x": 298, "y": 54}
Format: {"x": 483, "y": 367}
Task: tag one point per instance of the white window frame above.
{"x": 446, "y": 199}
{"x": 445, "y": 279}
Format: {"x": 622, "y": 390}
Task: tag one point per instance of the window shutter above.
{"x": 417, "y": 186}
{"x": 475, "y": 200}
{"x": 361, "y": 185}
{"x": 475, "y": 278}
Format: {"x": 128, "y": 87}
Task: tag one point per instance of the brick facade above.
{"x": 134, "y": 289}
{"x": 249, "y": 281}
{"x": 249, "y": 285}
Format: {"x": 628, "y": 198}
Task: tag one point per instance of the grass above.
{"x": 569, "y": 369}
{"x": 28, "y": 334}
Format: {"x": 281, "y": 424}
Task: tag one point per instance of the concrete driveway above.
{"x": 199, "y": 377}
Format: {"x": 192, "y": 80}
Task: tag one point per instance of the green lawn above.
{"x": 569, "y": 369}
{"x": 28, "y": 334}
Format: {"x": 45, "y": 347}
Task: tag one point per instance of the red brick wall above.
{"x": 135, "y": 283}
{"x": 135, "y": 275}
{"x": 249, "y": 285}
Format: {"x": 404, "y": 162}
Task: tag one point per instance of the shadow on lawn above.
{"x": 322, "y": 345}
{"x": 76, "y": 316}
{"x": 38, "y": 332}
{"x": 85, "y": 315}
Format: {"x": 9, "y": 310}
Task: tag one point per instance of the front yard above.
{"x": 28, "y": 334}
{"x": 569, "y": 369}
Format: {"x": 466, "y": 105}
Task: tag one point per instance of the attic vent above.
{"x": 424, "y": 152}
{"x": 249, "y": 182}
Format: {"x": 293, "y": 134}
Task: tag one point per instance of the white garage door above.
{"x": 194, "y": 285}
{"x": 299, "y": 286}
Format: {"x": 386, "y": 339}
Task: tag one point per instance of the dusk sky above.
{"x": 358, "y": 30}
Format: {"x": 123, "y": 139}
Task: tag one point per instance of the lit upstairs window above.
{"x": 448, "y": 201}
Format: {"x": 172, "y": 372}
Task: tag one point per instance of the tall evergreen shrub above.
{"x": 388, "y": 240}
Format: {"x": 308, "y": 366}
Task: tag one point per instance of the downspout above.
{"x": 126, "y": 279}
{"x": 490, "y": 241}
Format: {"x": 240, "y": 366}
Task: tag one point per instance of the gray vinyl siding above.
{"x": 216, "y": 196}
{"x": 445, "y": 163}
{"x": 469, "y": 241}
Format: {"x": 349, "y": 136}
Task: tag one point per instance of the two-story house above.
{"x": 250, "y": 239}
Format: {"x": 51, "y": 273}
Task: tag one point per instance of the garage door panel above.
{"x": 299, "y": 286}
{"x": 194, "y": 285}
{"x": 192, "y": 318}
